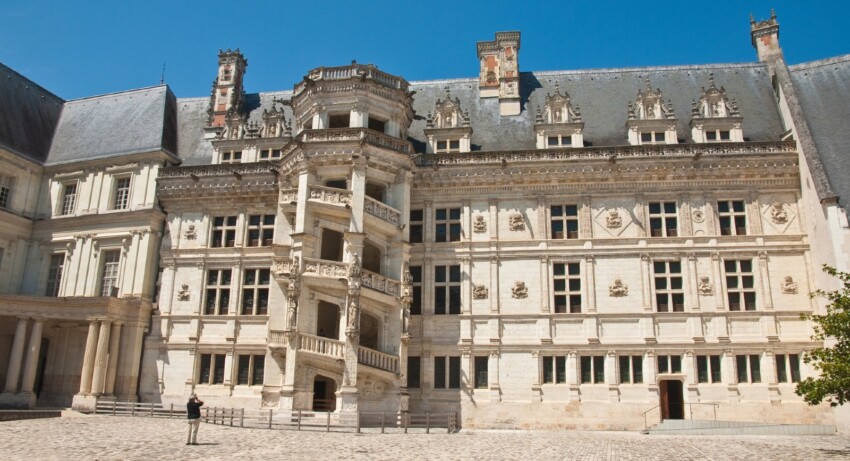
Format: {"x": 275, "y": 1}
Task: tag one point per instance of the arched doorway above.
{"x": 369, "y": 327}
{"x": 671, "y": 399}
{"x": 324, "y": 394}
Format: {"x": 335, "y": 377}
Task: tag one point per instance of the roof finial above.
{"x": 162, "y": 76}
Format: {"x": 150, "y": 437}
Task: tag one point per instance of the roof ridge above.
{"x": 106, "y": 95}
{"x": 820, "y": 62}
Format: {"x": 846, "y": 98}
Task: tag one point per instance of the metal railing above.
{"x": 300, "y": 420}
{"x": 689, "y": 415}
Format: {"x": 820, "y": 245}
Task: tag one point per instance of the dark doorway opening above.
{"x": 331, "y": 245}
{"x": 327, "y": 323}
{"x": 672, "y": 400}
{"x": 324, "y": 394}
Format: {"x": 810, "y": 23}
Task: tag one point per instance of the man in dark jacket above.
{"x": 193, "y": 412}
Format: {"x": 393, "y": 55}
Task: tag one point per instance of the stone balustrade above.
{"x": 325, "y": 268}
{"x": 278, "y": 339}
{"x": 355, "y": 134}
{"x": 377, "y": 359}
{"x": 321, "y": 346}
{"x": 330, "y": 195}
{"x": 382, "y": 211}
{"x": 380, "y": 283}
{"x": 288, "y": 195}
{"x": 353, "y": 71}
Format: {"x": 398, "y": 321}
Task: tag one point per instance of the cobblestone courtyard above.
{"x": 109, "y": 438}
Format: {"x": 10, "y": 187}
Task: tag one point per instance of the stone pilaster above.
{"x": 101, "y": 359}
{"x": 112, "y": 368}
{"x": 31, "y": 365}
{"x": 13, "y": 372}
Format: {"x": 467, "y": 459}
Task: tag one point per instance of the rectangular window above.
{"x": 267, "y": 154}
{"x": 564, "y": 221}
{"x": 560, "y": 140}
{"x": 260, "y": 230}
{"x": 567, "y": 287}
{"x": 377, "y": 125}
{"x": 447, "y": 290}
{"x": 69, "y": 198}
{"x": 631, "y": 369}
{"x": 416, "y": 223}
{"x": 416, "y": 277}
{"x": 749, "y": 369}
{"x": 211, "y": 370}
{"x": 740, "y": 288}
{"x": 481, "y": 372}
{"x": 447, "y": 225}
{"x": 109, "y": 272}
{"x": 6, "y": 183}
{"x": 255, "y": 292}
{"x": 708, "y": 368}
{"x": 448, "y": 146}
{"x": 339, "y": 120}
{"x": 54, "y": 274}
{"x": 663, "y": 221}
{"x": 251, "y": 370}
{"x": 669, "y": 364}
{"x": 651, "y": 137}
{"x": 554, "y": 369}
{"x": 784, "y": 365}
{"x": 218, "y": 292}
{"x": 446, "y": 372}
{"x": 733, "y": 217}
{"x": 414, "y": 372}
{"x": 231, "y": 157}
{"x": 593, "y": 369}
{"x": 669, "y": 293}
{"x": 223, "y": 232}
{"x": 121, "y": 199}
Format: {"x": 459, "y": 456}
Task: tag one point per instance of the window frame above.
{"x": 417, "y": 226}
{"x": 559, "y": 140}
{"x": 451, "y": 289}
{"x": 225, "y": 229}
{"x": 553, "y": 369}
{"x": 569, "y": 294}
{"x": 217, "y": 289}
{"x": 258, "y": 291}
{"x": 732, "y": 215}
{"x": 450, "y": 146}
{"x": 747, "y": 296}
{"x": 751, "y": 371}
{"x": 663, "y": 216}
{"x": 416, "y": 295}
{"x": 53, "y": 285}
{"x": 671, "y": 294}
{"x": 68, "y": 200}
{"x": 566, "y": 216}
{"x": 450, "y": 372}
{"x": 120, "y": 193}
{"x": 213, "y": 375}
{"x": 630, "y": 369}
{"x": 480, "y": 372}
{"x": 595, "y": 373}
{"x": 414, "y": 379}
{"x": 707, "y": 372}
{"x": 7, "y": 185}
{"x": 261, "y": 228}
{"x": 672, "y": 364}
{"x": 451, "y": 226}
{"x": 790, "y": 368}
{"x": 252, "y": 369}
{"x": 114, "y": 268}
{"x": 231, "y": 157}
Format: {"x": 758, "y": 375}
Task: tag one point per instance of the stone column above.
{"x": 28, "y": 383}
{"x": 14, "y": 370}
{"x": 88, "y": 359}
{"x": 101, "y": 358}
{"x": 112, "y": 368}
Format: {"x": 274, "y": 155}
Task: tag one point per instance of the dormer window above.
{"x": 339, "y": 120}
{"x": 650, "y": 119}
{"x": 231, "y": 157}
{"x": 448, "y": 129}
{"x": 715, "y": 118}
{"x": 559, "y": 123}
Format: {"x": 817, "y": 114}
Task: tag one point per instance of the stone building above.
{"x": 562, "y": 249}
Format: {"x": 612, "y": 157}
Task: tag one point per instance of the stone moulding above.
{"x": 609, "y": 153}
{"x": 382, "y": 211}
{"x": 380, "y": 283}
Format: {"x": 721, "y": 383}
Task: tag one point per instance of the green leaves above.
{"x": 832, "y": 362}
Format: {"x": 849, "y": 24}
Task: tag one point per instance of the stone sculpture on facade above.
{"x": 479, "y": 292}
{"x": 479, "y": 225}
{"x": 191, "y": 233}
{"x": 789, "y": 286}
{"x": 352, "y": 328}
{"x": 618, "y": 289}
{"x": 704, "y": 286}
{"x": 519, "y": 290}
{"x": 778, "y": 214}
{"x": 183, "y": 294}
{"x": 515, "y": 222}
{"x": 613, "y": 220}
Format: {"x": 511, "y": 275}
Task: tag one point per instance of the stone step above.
{"x": 703, "y": 427}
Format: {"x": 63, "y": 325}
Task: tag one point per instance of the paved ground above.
{"x": 116, "y": 437}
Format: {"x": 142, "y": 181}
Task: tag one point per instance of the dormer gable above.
{"x": 651, "y": 120}
{"x": 559, "y": 123}
{"x": 715, "y": 118}
{"x": 448, "y": 129}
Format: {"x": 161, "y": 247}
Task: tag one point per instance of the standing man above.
{"x": 193, "y": 412}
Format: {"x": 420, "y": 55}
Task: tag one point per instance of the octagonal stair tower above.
{"x": 344, "y": 195}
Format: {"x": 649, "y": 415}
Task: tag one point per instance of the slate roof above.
{"x": 823, "y": 90}
{"x": 28, "y": 115}
{"x": 116, "y": 124}
{"x": 603, "y": 96}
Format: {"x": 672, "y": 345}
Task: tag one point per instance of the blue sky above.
{"x": 78, "y": 49}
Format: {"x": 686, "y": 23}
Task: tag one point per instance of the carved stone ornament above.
{"x": 479, "y": 226}
{"x": 778, "y": 214}
{"x": 479, "y": 292}
{"x": 183, "y": 294}
{"x": 698, "y": 215}
{"x": 789, "y": 286}
{"x": 704, "y": 286}
{"x": 371, "y": 388}
{"x": 618, "y": 289}
{"x": 613, "y": 220}
{"x": 191, "y": 233}
{"x": 515, "y": 222}
{"x": 519, "y": 290}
